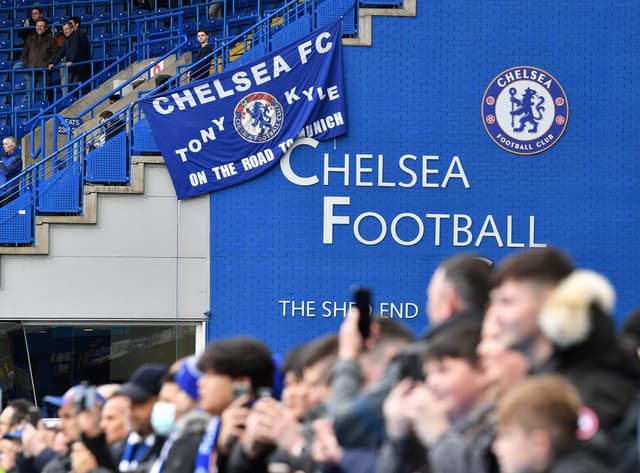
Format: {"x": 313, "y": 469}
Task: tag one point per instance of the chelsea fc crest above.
{"x": 525, "y": 110}
{"x": 257, "y": 117}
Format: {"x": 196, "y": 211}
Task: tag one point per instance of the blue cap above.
{"x": 187, "y": 377}
{"x": 70, "y": 395}
{"x": 16, "y": 435}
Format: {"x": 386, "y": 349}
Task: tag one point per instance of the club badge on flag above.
{"x": 231, "y": 127}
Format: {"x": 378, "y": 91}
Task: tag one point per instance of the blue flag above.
{"x": 231, "y": 127}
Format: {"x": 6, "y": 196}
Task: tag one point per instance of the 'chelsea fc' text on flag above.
{"x": 233, "y": 126}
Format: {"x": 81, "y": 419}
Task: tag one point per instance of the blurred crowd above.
{"x": 522, "y": 370}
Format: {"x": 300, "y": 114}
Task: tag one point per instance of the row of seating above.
{"x": 110, "y": 40}
{"x": 60, "y": 191}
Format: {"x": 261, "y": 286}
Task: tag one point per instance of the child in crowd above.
{"x": 537, "y": 423}
{"x": 448, "y": 414}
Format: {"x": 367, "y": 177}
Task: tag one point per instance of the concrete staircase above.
{"x": 137, "y": 185}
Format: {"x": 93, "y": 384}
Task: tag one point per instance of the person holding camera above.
{"x": 234, "y": 370}
{"x": 278, "y": 435}
{"x": 37, "y": 444}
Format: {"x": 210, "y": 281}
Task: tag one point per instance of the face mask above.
{"x": 163, "y": 417}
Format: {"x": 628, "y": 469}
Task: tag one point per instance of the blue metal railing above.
{"x": 55, "y": 184}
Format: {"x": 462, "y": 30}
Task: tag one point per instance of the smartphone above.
{"x": 362, "y": 298}
{"x": 411, "y": 361}
{"x": 241, "y": 389}
{"x": 264, "y": 391}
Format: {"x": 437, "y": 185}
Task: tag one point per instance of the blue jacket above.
{"x": 10, "y": 166}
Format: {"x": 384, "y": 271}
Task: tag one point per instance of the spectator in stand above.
{"x": 75, "y": 21}
{"x": 142, "y": 445}
{"x": 449, "y": 414}
{"x": 17, "y": 412}
{"x": 202, "y": 63}
{"x": 111, "y": 127}
{"x": 10, "y": 166}
{"x": 37, "y": 446}
{"x": 234, "y": 371}
{"x": 178, "y": 416}
{"x": 630, "y": 333}
{"x": 537, "y": 423}
{"x": 37, "y": 53}
{"x": 75, "y": 50}
{"x": 458, "y": 292}
{"x": 577, "y": 319}
{"x": 274, "y": 434}
{"x": 114, "y": 422}
{"x": 36, "y": 14}
{"x": 216, "y": 9}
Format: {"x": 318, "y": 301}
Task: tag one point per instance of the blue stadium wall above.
{"x": 418, "y": 91}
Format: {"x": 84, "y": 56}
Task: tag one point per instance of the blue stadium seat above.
{"x": 22, "y": 129}
{"x": 20, "y": 102}
{"x": 118, "y": 11}
{"x": 5, "y": 61}
{"x": 19, "y": 81}
{"x": 59, "y": 11}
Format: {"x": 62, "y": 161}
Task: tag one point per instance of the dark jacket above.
{"x": 75, "y": 49}
{"x": 594, "y": 366}
{"x": 202, "y": 65}
{"x": 607, "y": 378}
{"x": 465, "y": 448}
{"x": 101, "y": 451}
{"x": 39, "y": 50}
{"x": 185, "y": 441}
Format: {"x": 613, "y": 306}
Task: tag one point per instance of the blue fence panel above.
{"x": 291, "y": 32}
{"x": 109, "y": 163}
{"x": 143, "y": 139}
{"x": 16, "y": 219}
{"x": 330, "y": 10}
{"x": 61, "y": 192}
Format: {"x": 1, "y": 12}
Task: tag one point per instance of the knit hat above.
{"x": 187, "y": 377}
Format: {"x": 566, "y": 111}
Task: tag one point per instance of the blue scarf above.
{"x": 207, "y": 446}
{"x": 135, "y": 451}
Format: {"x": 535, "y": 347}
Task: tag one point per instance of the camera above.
{"x": 411, "y": 360}
{"x": 241, "y": 389}
{"x": 264, "y": 391}
{"x": 84, "y": 397}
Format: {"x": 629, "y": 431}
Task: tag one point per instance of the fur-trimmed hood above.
{"x": 567, "y": 317}
{"x": 577, "y": 320}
